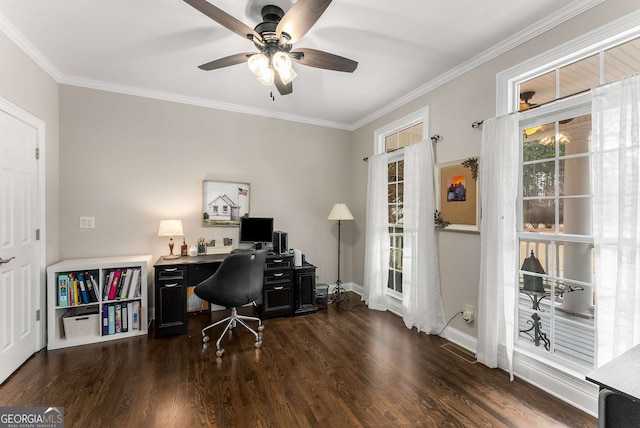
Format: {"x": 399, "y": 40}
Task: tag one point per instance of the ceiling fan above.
{"x": 274, "y": 39}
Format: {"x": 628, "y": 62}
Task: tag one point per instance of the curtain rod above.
{"x": 434, "y": 139}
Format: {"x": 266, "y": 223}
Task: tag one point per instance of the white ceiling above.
{"x": 153, "y": 48}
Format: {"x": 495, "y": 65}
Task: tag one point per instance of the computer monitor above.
{"x": 256, "y": 229}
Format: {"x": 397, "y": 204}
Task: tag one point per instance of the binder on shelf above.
{"x": 112, "y": 319}
{"x": 136, "y": 314}
{"x": 63, "y": 290}
{"x": 130, "y": 316}
{"x": 83, "y": 289}
{"x": 114, "y": 284}
{"x": 127, "y": 284}
{"x": 118, "y": 318}
{"x": 105, "y": 320}
{"x": 125, "y": 317}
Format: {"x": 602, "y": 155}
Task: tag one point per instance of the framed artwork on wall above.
{"x": 457, "y": 197}
{"x": 224, "y": 202}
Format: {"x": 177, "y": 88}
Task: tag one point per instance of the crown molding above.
{"x": 25, "y": 45}
{"x": 564, "y": 14}
{"x": 199, "y": 102}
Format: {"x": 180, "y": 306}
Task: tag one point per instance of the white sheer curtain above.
{"x": 377, "y": 246}
{"x": 498, "y": 174}
{"x": 616, "y": 216}
{"x": 421, "y": 298}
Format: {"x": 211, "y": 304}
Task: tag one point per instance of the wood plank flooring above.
{"x": 335, "y": 368}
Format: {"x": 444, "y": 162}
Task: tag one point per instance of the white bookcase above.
{"x": 85, "y": 320}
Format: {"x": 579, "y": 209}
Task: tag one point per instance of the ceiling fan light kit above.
{"x": 274, "y": 38}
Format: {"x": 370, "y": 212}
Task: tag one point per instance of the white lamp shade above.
{"x": 170, "y": 228}
{"x": 340, "y": 212}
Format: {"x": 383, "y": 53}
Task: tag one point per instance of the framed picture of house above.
{"x": 457, "y": 194}
{"x": 224, "y": 202}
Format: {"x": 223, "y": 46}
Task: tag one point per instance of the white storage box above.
{"x": 80, "y": 324}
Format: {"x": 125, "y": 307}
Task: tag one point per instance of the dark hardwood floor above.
{"x": 335, "y": 368}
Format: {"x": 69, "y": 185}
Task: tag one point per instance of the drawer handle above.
{"x": 278, "y": 274}
{"x": 278, "y": 288}
{"x": 170, "y": 270}
{"x": 171, "y": 285}
{"x": 277, "y": 261}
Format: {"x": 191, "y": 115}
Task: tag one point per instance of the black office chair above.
{"x": 237, "y": 282}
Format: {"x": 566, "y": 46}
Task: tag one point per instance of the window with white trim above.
{"x": 393, "y": 138}
{"x": 556, "y": 291}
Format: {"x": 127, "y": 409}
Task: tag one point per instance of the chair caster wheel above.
{"x": 261, "y": 327}
{"x": 205, "y": 339}
{"x": 219, "y": 353}
{"x": 258, "y": 343}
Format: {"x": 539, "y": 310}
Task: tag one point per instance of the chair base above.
{"x": 232, "y": 321}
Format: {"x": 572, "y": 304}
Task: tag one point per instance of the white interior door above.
{"x": 19, "y": 247}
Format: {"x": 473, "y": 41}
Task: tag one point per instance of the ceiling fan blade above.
{"x": 224, "y": 19}
{"x": 282, "y": 88}
{"x": 320, "y": 59}
{"x": 301, "y": 17}
{"x": 226, "y": 61}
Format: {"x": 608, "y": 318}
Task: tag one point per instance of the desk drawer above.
{"x": 278, "y": 277}
{"x": 170, "y": 273}
{"x": 279, "y": 263}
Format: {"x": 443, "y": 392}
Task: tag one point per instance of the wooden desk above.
{"x": 619, "y": 381}
{"x": 287, "y": 290}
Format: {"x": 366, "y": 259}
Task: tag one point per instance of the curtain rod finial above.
{"x": 477, "y": 125}
{"x": 435, "y": 138}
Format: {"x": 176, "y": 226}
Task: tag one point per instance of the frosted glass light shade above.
{"x": 340, "y": 212}
{"x": 281, "y": 62}
{"x": 170, "y": 228}
{"x": 266, "y": 77}
{"x": 258, "y": 63}
{"x": 288, "y": 76}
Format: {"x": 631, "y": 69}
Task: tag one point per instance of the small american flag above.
{"x": 242, "y": 192}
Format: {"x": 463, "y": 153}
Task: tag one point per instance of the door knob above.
{"x": 6, "y": 260}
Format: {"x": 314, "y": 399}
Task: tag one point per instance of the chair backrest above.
{"x": 237, "y": 281}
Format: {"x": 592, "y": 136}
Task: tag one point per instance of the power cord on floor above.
{"x": 448, "y": 322}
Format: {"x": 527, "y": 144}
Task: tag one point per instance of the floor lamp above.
{"x": 338, "y": 213}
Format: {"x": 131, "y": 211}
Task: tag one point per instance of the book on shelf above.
{"x": 113, "y": 289}
{"x": 83, "y": 289}
{"x": 92, "y": 287}
{"x": 135, "y": 284}
{"x": 63, "y": 290}
{"x": 74, "y": 290}
{"x": 130, "y": 316}
{"x": 106, "y": 286}
{"x": 130, "y": 286}
{"x": 124, "y": 283}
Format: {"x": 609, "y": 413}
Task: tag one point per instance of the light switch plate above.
{"x": 87, "y": 222}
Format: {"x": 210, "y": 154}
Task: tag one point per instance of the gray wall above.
{"x": 130, "y": 162}
{"x": 453, "y": 107}
{"x": 25, "y": 84}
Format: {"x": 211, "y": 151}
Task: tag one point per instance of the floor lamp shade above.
{"x": 340, "y": 212}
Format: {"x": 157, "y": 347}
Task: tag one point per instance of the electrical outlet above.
{"x": 468, "y": 313}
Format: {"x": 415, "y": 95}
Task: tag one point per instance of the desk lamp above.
{"x": 338, "y": 213}
{"x": 170, "y": 228}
